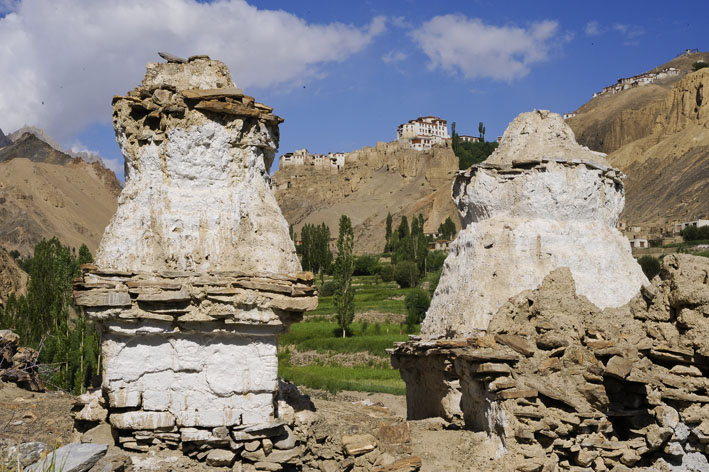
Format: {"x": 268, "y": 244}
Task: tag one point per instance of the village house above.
{"x": 423, "y": 132}
{"x": 626, "y": 83}
{"x": 463, "y": 138}
{"x": 569, "y": 115}
{"x": 698, "y": 223}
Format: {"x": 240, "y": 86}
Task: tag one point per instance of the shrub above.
{"x": 387, "y": 273}
{"x": 417, "y": 303}
{"x": 365, "y": 265}
{"x": 377, "y": 328}
{"x": 699, "y": 65}
{"x": 650, "y": 265}
{"x": 406, "y": 274}
{"x": 435, "y": 260}
{"x": 327, "y": 289}
{"x": 692, "y": 233}
{"x": 365, "y": 325}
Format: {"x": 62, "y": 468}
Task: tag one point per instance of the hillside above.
{"x": 12, "y": 278}
{"x": 45, "y": 192}
{"x": 657, "y": 134}
{"x": 374, "y": 181}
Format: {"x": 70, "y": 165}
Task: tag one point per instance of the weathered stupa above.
{"x": 196, "y": 274}
{"x": 539, "y": 202}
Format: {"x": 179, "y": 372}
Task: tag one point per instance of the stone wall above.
{"x": 559, "y": 384}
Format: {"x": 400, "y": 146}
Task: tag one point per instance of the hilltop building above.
{"x": 423, "y": 132}
{"x": 626, "y": 83}
{"x": 302, "y": 157}
{"x": 464, "y": 138}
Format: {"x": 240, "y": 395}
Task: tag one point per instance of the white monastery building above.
{"x": 423, "y": 132}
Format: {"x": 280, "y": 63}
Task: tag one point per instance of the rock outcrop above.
{"x": 196, "y": 274}
{"x": 375, "y": 181}
{"x": 539, "y": 202}
{"x": 18, "y": 364}
{"x": 559, "y": 384}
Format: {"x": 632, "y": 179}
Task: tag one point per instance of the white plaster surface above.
{"x": 200, "y": 379}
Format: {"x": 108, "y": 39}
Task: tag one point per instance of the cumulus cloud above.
{"x": 593, "y": 28}
{"x": 61, "y": 61}
{"x": 392, "y": 57}
{"x": 456, "y": 43}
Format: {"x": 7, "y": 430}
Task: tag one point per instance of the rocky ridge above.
{"x": 657, "y": 135}
{"x": 12, "y": 278}
{"x": 376, "y": 180}
{"x": 45, "y": 192}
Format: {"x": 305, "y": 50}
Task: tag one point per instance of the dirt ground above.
{"x": 29, "y": 416}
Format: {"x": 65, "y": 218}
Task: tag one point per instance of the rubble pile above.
{"x": 539, "y": 202}
{"x": 196, "y": 274}
{"x": 18, "y": 364}
{"x": 561, "y": 385}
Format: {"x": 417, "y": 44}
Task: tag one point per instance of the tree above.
{"x": 366, "y": 265}
{"x": 315, "y": 248}
{"x": 344, "y": 267}
{"x": 41, "y": 318}
{"x": 417, "y": 303}
{"x": 481, "y": 131}
{"x": 387, "y": 245}
{"x": 454, "y": 137}
{"x": 406, "y": 274}
{"x": 403, "y": 229}
{"x": 447, "y": 229}
{"x": 699, "y": 65}
{"x": 292, "y": 233}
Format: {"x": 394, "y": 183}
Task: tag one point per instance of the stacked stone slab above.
{"x": 559, "y": 384}
{"x": 196, "y": 274}
{"x": 540, "y": 201}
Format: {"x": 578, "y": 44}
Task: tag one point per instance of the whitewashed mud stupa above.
{"x": 539, "y": 202}
{"x": 545, "y": 334}
{"x": 196, "y": 274}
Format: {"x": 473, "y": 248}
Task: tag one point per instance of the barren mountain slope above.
{"x": 12, "y": 278}
{"x": 664, "y": 149}
{"x": 607, "y": 122}
{"x": 374, "y": 181}
{"x": 45, "y": 193}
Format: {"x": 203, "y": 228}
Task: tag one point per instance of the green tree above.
{"x": 454, "y": 137}
{"x": 417, "y": 303}
{"x": 403, "y": 230}
{"x": 85, "y": 256}
{"x": 343, "y": 297}
{"x": 46, "y": 320}
{"x": 406, "y": 274}
{"x": 387, "y": 235}
{"x": 481, "y": 131}
{"x": 447, "y": 229}
{"x": 699, "y": 65}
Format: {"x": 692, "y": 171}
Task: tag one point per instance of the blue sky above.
{"x": 342, "y": 74}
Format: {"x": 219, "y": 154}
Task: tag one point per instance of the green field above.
{"x": 321, "y": 334}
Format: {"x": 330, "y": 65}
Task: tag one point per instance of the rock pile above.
{"x": 539, "y": 202}
{"x": 563, "y": 385}
{"x": 196, "y": 274}
{"x": 18, "y": 364}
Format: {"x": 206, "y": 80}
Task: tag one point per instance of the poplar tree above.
{"x": 344, "y": 268}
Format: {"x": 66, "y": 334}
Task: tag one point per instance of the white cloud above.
{"x": 467, "y": 45}
{"x": 630, "y": 33}
{"x": 392, "y": 57}
{"x": 593, "y": 28}
{"x": 61, "y": 61}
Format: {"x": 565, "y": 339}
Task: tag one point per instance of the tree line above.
{"x": 47, "y": 320}
{"x": 470, "y": 153}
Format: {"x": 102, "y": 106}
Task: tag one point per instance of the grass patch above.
{"x": 333, "y": 378}
{"x": 371, "y": 295}
{"x": 320, "y": 336}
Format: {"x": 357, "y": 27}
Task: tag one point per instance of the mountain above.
{"x": 12, "y": 278}
{"x": 658, "y": 134}
{"x": 44, "y": 192}
{"x": 4, "y": 140}
{"x": 374, "y": 181}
